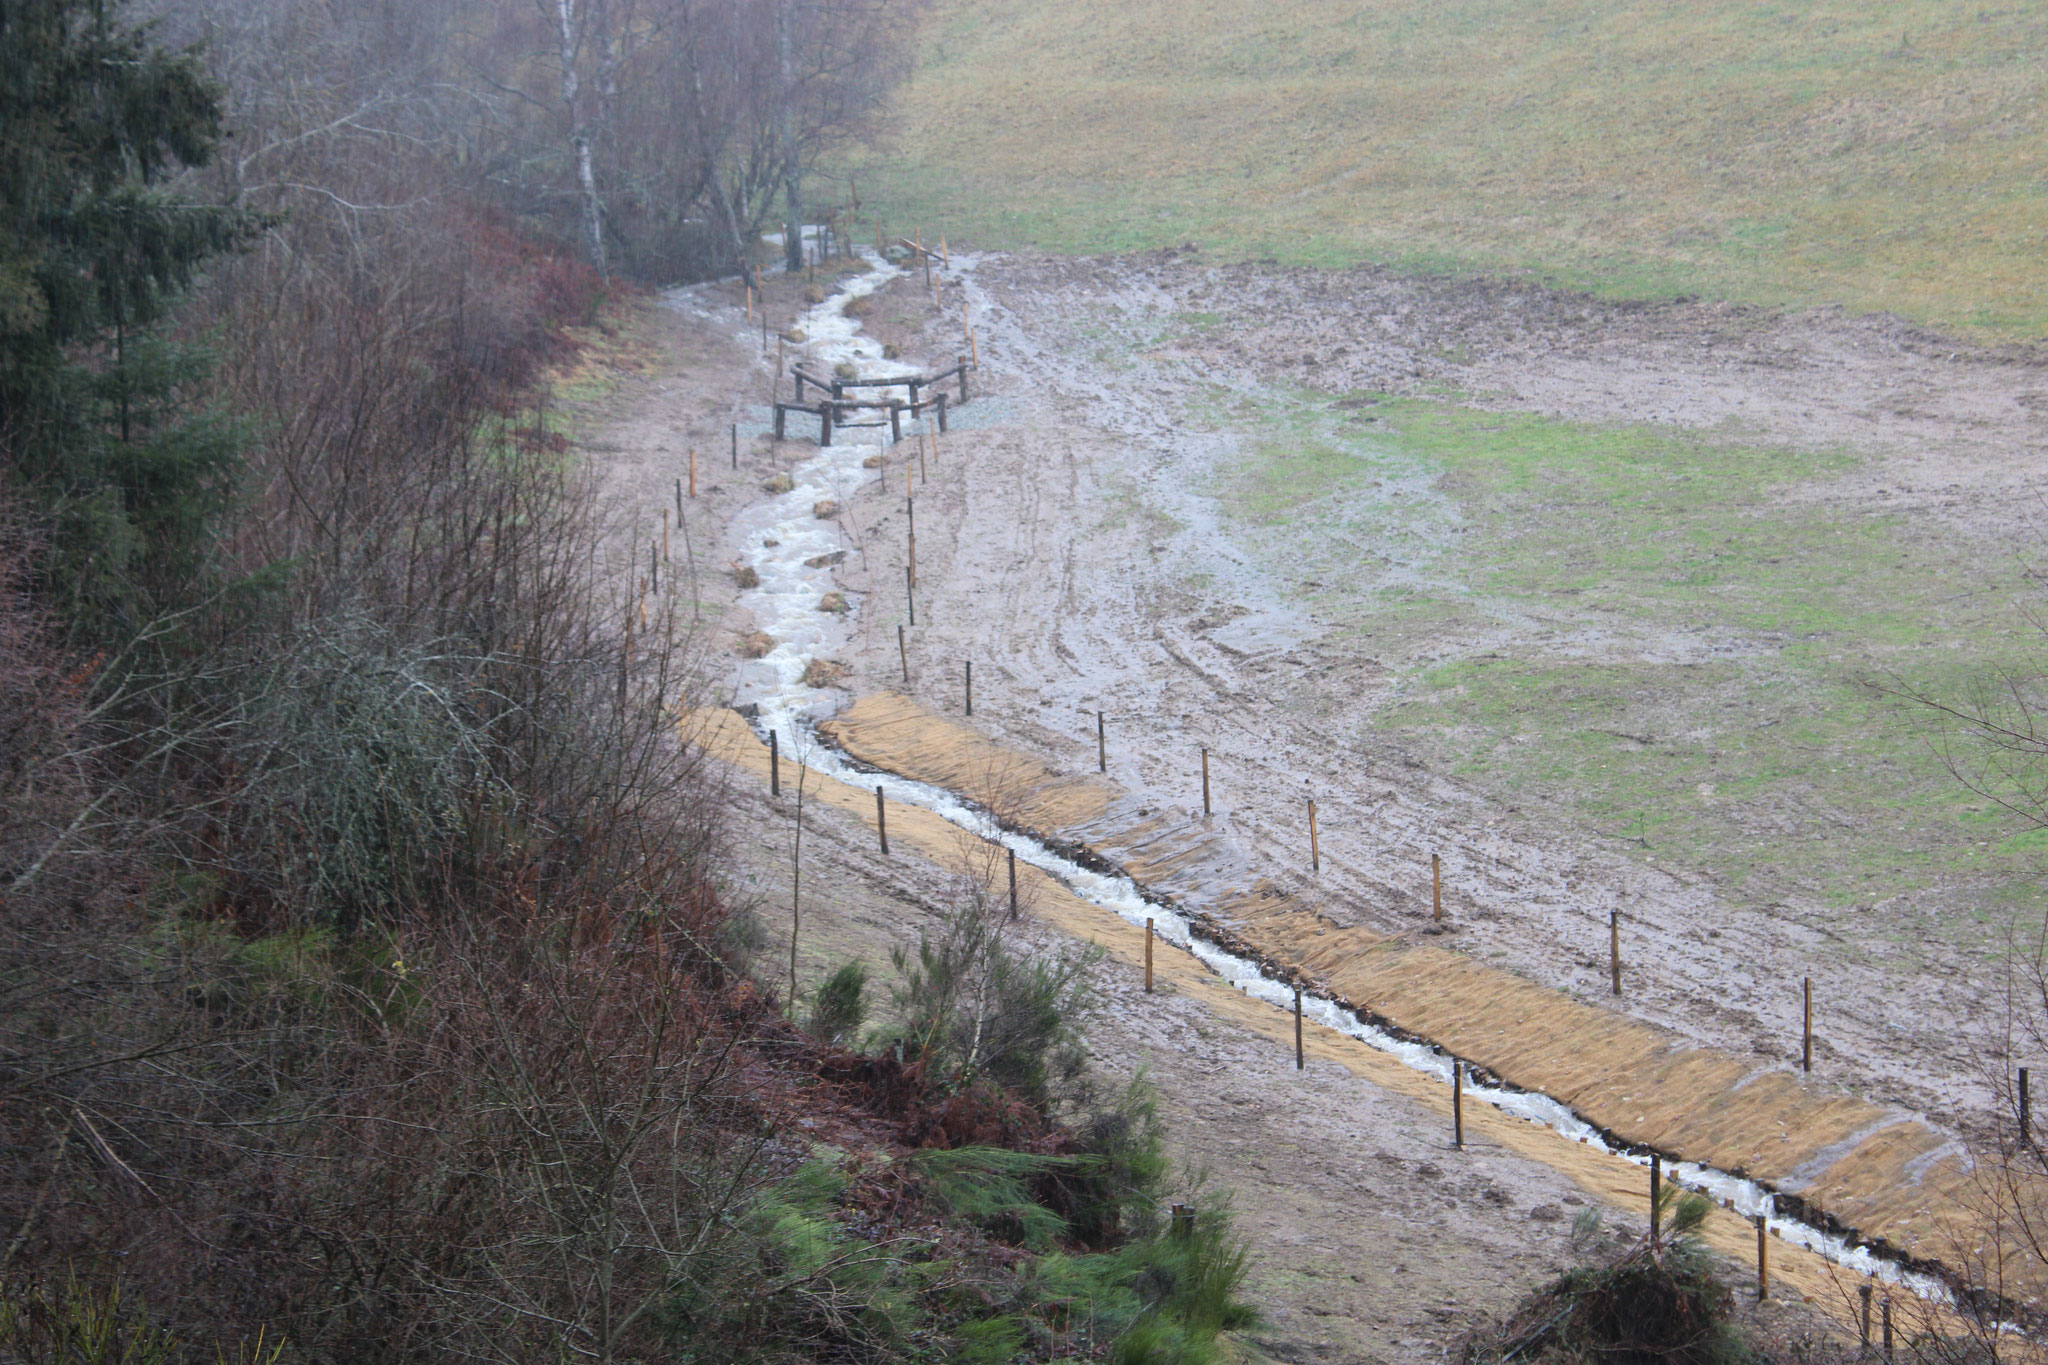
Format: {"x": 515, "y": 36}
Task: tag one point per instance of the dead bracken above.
{"x": 834, "y": 602}
{"x": 780, "y": 483}
{"x": 746, "y": 577}
{"x": 825, "y": 509}
{"x": 825, "y": 673}
{"x": 756, "y": 644}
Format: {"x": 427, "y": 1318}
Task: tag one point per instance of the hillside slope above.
{"x": 1878, "y": 157}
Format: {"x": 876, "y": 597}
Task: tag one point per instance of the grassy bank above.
{"x": 1878, "y": 157}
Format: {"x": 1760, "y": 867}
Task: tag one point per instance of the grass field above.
{"x": 1881, "y": 157}
{"x": 1666, "y": 636}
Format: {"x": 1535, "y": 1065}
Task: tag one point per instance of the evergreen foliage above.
{"x": 99, "y": 417}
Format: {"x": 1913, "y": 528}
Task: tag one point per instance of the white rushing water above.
{"x": 777, "y": 536}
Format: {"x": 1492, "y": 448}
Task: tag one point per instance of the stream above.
{"x": 790, "y": 547}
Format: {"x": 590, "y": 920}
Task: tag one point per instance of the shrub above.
{"x": 840, "y": 1007}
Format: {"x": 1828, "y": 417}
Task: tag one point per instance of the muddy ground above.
{"x": 1061, "y": 549}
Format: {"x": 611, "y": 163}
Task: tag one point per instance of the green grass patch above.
{"x": 1665, "y": 634}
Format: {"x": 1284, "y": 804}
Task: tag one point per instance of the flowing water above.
{"x": 786, "y": 543}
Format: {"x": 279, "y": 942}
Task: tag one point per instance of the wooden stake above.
{"x": 945, "y": 255}
{"x": 1614, "y": 947}
{"x": 1315, "y": 854}
{"x": 1101, "y": 746}
{"x": 778, "y": 355}
{"x": 974, "y": 348}
{"x": 881, "y": 821}
{"x": 1863, "y": 1293}
{"x": 735, "y": 445}
{"x": 910, "y": 506}
{"x": 1763, "y": 1262}
{"x": 1205, "y": 780}
{"x": 774, "y": 765}
{"x": 1806, "y": 1030}
{"x": 1436, "y": 879}
{"x": 910, "y": 593}
{"x": 1656, "y": 1195}
{"x": 679, "y": 502}
{"x": 664, "y": 532}
{"x": 1148, "y": 954}
{"x": 970, "y": 687}
{"x": 1300, "y": 1059}
{"x": 693, "y": 473}
{"x": 1886, "y": 1311}
{"x": 1458, "y": 1104}
{"x": 1013, "y": 884}
{"x": 903, "y": 650}
{"x": 750, "y": 304}
{"x": 653, "y": 569}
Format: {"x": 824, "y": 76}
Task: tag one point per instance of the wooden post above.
{"x": 961, "y": 369}
{"x": 881, "y": 820}
{"x": 910, "y": 592}
{"x": 903, "y": 650}
{"x": 944, "y": 255}
{"x": 1315, "y": 854}
{"x": 778, "y": 355}
{"x": 1656, "y": 1194}
{"x": 1458, "y": 1104}
{"x": 693, "y": 473}
{"x": 679, "y": 502}
{"x": 942, "y": 412}
{"x": 750, "y": 305}
{"x": 1863, "y": 1293}
{"x": 654, "y": 565}
{"x": 2026, "y": 1118}
{"x": 774, "y": 765}
{"x": 1013, "y": 884}
{"x": 910, "y": 508}
{"x": 895, "y": 422}
{"x": 1763, "y": 1261}
{"x": 970, "y": 687}
{"x": 1614, "y": 947}
{"x": 735, "y": 445}
{"x": 824, "y": 425}
{"x": 1205, "y": 780}
{"x": 1183, "y": 1221}
{"x": 1806, "y": 1029}
{"x": 1436, "y": 881}
{"x": 780, "y": 420}
{"x": 1886, "y": 1311}
{"x": 1300, "y": 1059}
{"x": 1101, "y": 746}
{"x": 923, "y": 257}
{"x": 1148, "y": 954}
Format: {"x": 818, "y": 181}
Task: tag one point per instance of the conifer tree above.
{"x": 101, "y": 422}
